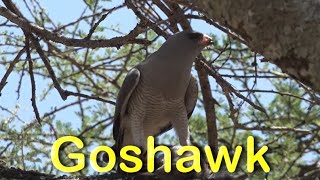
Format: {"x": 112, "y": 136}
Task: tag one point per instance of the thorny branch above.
{"x": 33, "y": 84}
{"x": 10, "y": 69}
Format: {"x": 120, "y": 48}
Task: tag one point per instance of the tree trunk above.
{"x": 286, "y": 33}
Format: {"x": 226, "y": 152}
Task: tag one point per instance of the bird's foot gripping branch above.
{"x": 214, "y": 164}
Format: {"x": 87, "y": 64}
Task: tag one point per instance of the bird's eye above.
{"x": 195, "y": 36}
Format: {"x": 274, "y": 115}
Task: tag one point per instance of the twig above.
{"x": 55, "y": 109}
{"x": 145, "y": 20}
{"x": 12, "y": 113}
{"x": 273, "y": 128}
{"x": 49, "y": 68}
{"x": 94, "y": 27}
{"x": 33, "y": 84}
{"x": 69, "y": 93}
{"x": 6, "y": 148}
{"x": 83, "y": 18}
{"x": 10, "y": 69}
{"x": 281, "y": 94}
{"x": 220, "y": 53}
{"x": 228, "y": 87}
{"x": 20, "y": 80}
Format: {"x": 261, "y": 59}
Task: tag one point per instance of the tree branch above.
{"x": 48, "y": 35}
{"x": 10, "y": 69}
{"x": 33, "y": 84}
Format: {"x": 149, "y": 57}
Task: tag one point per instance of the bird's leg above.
{"x": 180, "y": 124}
{"x": 138, "y": 136}
{"x": 137, "y": 130}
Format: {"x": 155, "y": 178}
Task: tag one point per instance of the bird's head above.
{"x": 187, "y": 42}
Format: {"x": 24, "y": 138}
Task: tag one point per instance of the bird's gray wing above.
{"x": 129, "y": 84}
{"x": 190, "y": 100}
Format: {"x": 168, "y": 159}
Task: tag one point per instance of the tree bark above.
{"x": 286, "y": 33}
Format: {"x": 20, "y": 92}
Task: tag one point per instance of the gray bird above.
{"x": 159, "y": 93}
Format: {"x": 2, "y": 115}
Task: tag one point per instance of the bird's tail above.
{"x": 105, "y": 157}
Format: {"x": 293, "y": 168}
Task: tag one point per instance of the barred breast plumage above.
{"x": 157, "y": 110}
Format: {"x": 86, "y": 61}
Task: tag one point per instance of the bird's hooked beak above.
{"x": 206, "y": 40}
